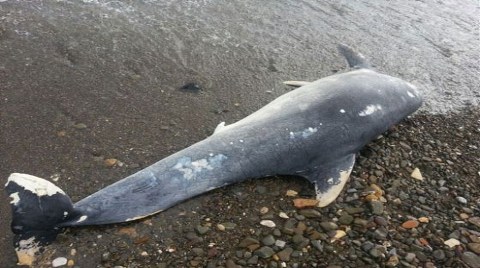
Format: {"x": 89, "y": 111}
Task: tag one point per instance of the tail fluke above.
{"x": 38, "y": 208}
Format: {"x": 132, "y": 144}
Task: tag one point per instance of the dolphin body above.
{"x": 313, "y": 131}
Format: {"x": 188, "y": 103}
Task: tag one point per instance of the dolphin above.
{"x": 313, "y": 131}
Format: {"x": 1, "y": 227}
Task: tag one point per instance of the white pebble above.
{"x": 416, "y": 174}
{"x": 280, "y": 243}
{"x": 452, "y": 242}
{"x": 268, "y": 223}
{"x": 60, "y": 261}
{"x": 461, "y": 199}
{"x": 283, "y": 215}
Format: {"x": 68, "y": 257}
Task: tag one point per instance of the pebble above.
{"x": 283, "y": 215}
{"x": 110, "y": 162}
{"x": 410, "y": 257}
{"x": 471, "y": 259}
{"x": 60, "y": 261}
{"x": 310, "y": 213}
{"x": 292, "y": 193}
{"x": 416, "y": 174}
{"x": 80, "y": 126}
{"x": 268, "y": 223}
{"x": 263, "y": 210}
{"x": 461, "y": 200}
{"x": 410, "y": 224}
{"x": 248, "y": 241}
{"x": 328, "y": 225}
{"x": 475, "y": 247}
{"x": 377, "y": 207}
{"x": 264, "y": 252}
{"x": 280, "y": 243}
{"x": 393, "y": 261}
{"x": 452, "y": 242}
{"x": 345, "y": 219}
{"x": 475, "y": 221}
{"x": 439, "y": 254}
{"x": 317, "y": 244}
{"x": 285, "y": 254}
{"x": 339, "y": 234}
{"x": 423, "y": 219}
{"x": 201, "y": 230}
{"x": 304, "y": 203}
{"x": 268, "y": 240}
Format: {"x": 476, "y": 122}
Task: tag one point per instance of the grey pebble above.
{"x": 377, "y": 207}
{"x": 264, "y": 252}
{"x": 268, "y": 240}
{"x": 310, "y": 213}
{"x": 439, "y": 254}
{"x": 461, "y": 200}
{"x": 471, "y": 259}
{"x": 328, "y": 226}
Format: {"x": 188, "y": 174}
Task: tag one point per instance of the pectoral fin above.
{"x": 296, "y": 83}
{"x": 329, "y": 179}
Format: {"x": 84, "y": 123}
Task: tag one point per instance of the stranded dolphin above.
{"x": 313, "y": 131}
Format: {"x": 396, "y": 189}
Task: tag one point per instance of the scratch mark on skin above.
{"x": 83, "y": 218}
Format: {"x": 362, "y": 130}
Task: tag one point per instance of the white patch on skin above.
{"x": 410, "y": 94}
{"x": 304, "y": 134}
{"x": 328, "y": 197}
{"x": 370, "y": 109}
{"x": 303, "y": 106}
{"x": 83, "y": 218}
{"x": 35, "y": 185}
{"x": 191, "y": 169}
{"x": 342, "y": 111}
{"x": 330, "y": 181}
{"x": 15, "y": 198}
{"x": 65, "y": 214}
{"x": 240, "y": 140}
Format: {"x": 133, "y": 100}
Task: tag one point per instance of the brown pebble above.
{"x": 303, "y": 203}
{"x": 410, "y": 224}
{"x": 423, "y": 219}
{"x": 110, "y": 162}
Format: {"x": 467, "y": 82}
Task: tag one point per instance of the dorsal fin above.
{"x": 355, "y": 59}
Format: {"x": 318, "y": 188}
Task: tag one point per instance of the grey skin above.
{"x": 313, "y": 131}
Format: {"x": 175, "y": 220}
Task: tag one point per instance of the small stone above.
{"x": 410, "y": 224}
{"x": 475, "y": 221}
{"x": 367, "y": 246}
{"x": 377, "y": 207}
{"x": 60, "y": 261}
{"x": 303, "y": 202}
{"x": 381, "y": 233}
{"x": 393, "y": 261}
{"x": 380, "y": 221}
{"x": 80, "y": 126}
{"x": 353, "y": 210}
{"x": 317, "y": 244}
{"x": 268, "y": 223}
{"x": 461, "y": 200}
{"x": 475, "y": 247}
{"x": 410, "y": 257}
{"x": 70, "y": 263}
{"x": 253, "y": 260}
{"x": 292, "y": 193}
{"x": 328, "y": 225}
{"x": 110, "y": 162}
{"x": 268, "y": 240}
{"x": 201, "y": 230}
{"x": 280, "y": 243}
{"x": 423, "y": 219}
{"x": 375, "y": 252}
{"x": 248, "y": 241}
{"x": 339, "y": 234}
{"x": 310, "y": 213}
{"x": 439, "y": 254}
{"x": 345, "y": 219}
{"x": 144, "y": 254}
{"x": 416, "y": 174}
{"x": 261, "y": 189}
{"x": 264, "y": 252}
{"x": 263, "y": 210}
{"x": 471, "y": 259}
{"x": 464, "y": 216}
{"x": 284, "y": 255}
{"x": 283, "y": 215}
{"x": 452, "y": 242}
{"x": 226, "y": 226}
